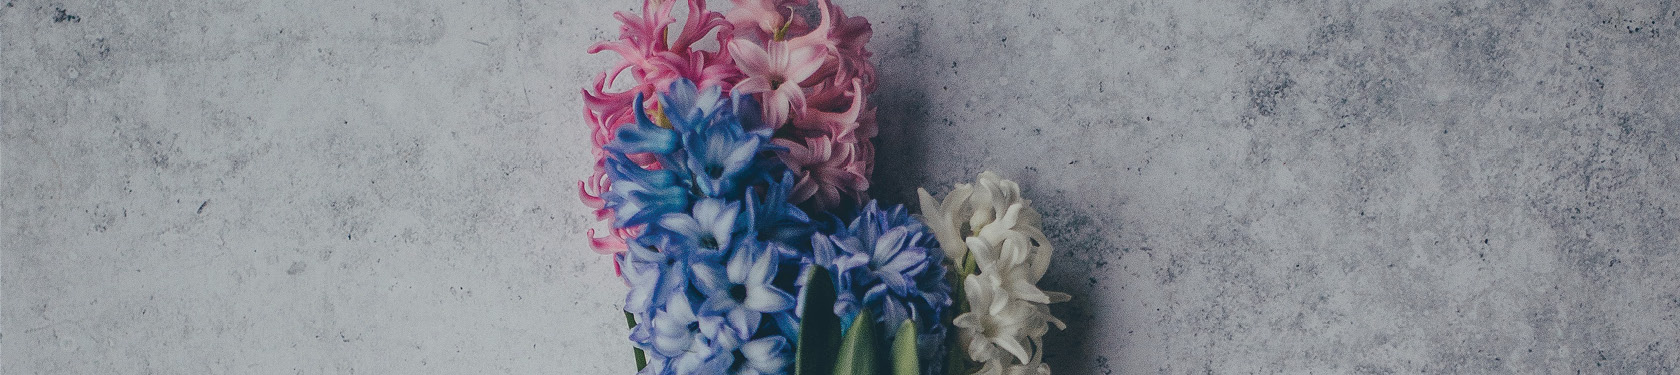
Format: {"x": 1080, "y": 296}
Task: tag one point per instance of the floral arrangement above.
{"x": 733, "y": 182}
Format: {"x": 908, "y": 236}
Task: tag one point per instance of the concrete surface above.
{"x": 1255, "y": 186}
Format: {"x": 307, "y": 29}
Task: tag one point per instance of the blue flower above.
{"x": 767, "y": 354}
{"x": 764, "y": 356}
{"x": 719, "y": 154}
{"x": 643, "y": 135}
{"x": 742, "y": 292}
{"x": 673, "y": 330}
{"x": 889, "y": 263}
{"x": 703, "y": 275}
{"x": 703, "y": 141}
{"x": 661, "y": 297}
{"x": 653, "y": 276}
{"x": 707, "y": 230}
{"x": 718, "y": 148}
{"x": 771, "y": 218}
{"x": 639, "y": 195}
{"x": 687, "y": 106}
{"x": 699, "y": 358}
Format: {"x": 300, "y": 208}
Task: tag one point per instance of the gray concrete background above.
{"x": 1253, "y": 186}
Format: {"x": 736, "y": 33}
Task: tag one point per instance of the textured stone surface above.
{"x": 1259, "y": 186}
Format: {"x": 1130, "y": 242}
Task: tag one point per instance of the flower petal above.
{"x": 768, "y": 355}
{"x": 766, "y": 299}
{"x": 752, "y": 85}
{"x": 752, "y": 59}
{"x": 802, "y": 62}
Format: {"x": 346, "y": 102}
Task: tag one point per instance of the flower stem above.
{"x": 641, "y": 358}
{"x": 956, "y": 362}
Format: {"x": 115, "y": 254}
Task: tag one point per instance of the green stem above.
{"x": 956, "y": 358}
{"x": 641, "y": 358}
{"x": 969, "y": 267}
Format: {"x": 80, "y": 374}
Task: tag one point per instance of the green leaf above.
{"x": 641, "y": 358}
{"x": 956, "y": 362}
{"x": 857, "y": 351}
{"x": 905, "y": 360}
{"x": 819, "y": 329}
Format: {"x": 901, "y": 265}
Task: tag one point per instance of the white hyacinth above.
{"x": 1008, "y": 315}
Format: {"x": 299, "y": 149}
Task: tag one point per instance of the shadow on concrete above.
{"x": 902, "y": 164}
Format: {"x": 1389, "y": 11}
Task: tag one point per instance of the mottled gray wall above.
{"x": 316, "y": 187}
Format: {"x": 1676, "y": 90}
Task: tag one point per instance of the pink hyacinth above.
{"x": 761, "y": 19}
{"x": 776, "y": 73}
{"x": 653, "y": 62}
{"x": 828, "y": 171}
{"x": 818, "y": 80}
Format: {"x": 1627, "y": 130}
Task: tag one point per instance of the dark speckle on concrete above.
{"x": 60, "y": 15}
{"x": 1265, "y": 92}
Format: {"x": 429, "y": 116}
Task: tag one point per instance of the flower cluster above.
{"x": 701, "y": 277}
{"x": 888, "y": 263}
{"x": 992, "y": 225}
{"x": 814, "y": 81}
{"x": 733, "y": 184}
{"x": 718, "y": 235}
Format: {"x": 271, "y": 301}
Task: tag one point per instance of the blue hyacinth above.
{"x": 711, "y": 274}
{"x": 889, "y": 263}
{"x": 703, "y": 281}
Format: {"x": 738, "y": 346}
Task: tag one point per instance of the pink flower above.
{"x": 762, "y": 18}
{"x": 778, "y": 73}
{"x": 844, "y": 38}
{"x": 844, "y": 125}
{"x": 828, "y": 171}
{"x": 845, "y": 79}
{"x": 817, "y": 80}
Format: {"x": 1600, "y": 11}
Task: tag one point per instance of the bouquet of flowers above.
{"x": 732, "y": 184}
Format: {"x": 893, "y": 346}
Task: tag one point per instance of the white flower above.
{"x": 1008, "y": 315}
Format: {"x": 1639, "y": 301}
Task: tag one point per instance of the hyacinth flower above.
{"x": 830, "y": 172}
{"x": 813, "y": 83}
{"x": 719, "y": 158}
{"x": 773, "y": 218}
{"x": 704, "y": 155}
{"x": 640, "y": 195}
{"x": 887, "y": 263}
{"x": 654, "y": 275}
{"x": 844, "y": 37}
{"x": 992, "y": 235}
{"x": 765, "y": 356}
{"x": 702, "y": 281}
{"x": 777, "y": 72}
{"x": 740, "y": 294}
{"x": 764, "y": 19}
{"x": 653, "y": 63}
{"x": 707, "y": 230}
{"x": 671, "y": 331}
